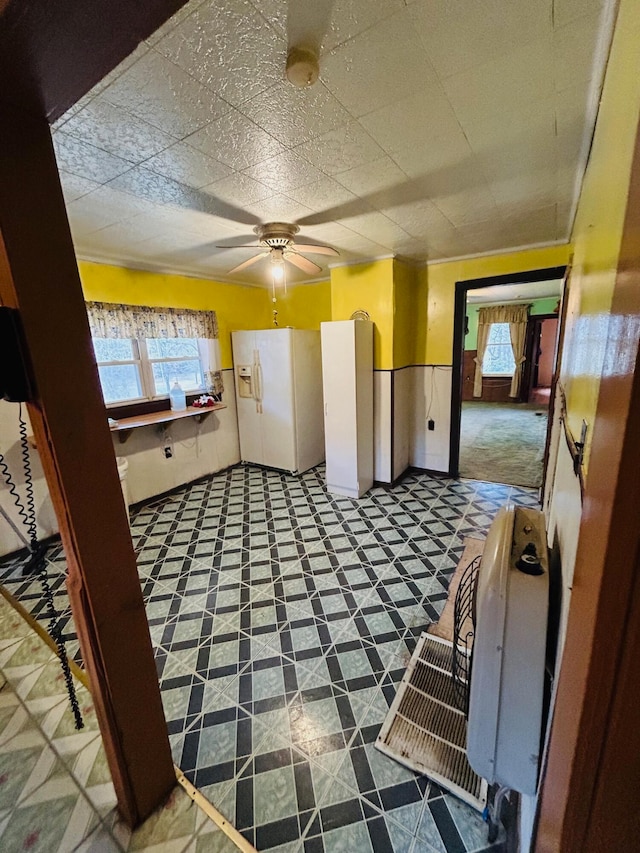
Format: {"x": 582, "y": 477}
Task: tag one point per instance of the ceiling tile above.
{"x": 235, "y": 140}
{"x": 293, "y": 116}
{"x": 143, "y": 183}
{"x": 377, "y": 227}
{"x": 278, "y": 208}
{"x": 322, "y": 194}
{"x": 503, "y": 85}
{"x": 74, "y": 187}
{"x": 185, "y": 164}
{"x": 325, "y": 23}
{"x": 532, "y": 125}
{"x": 436, "y": 163}
{"x": 521, "y": 21}
{"x": 422, "y": 116}
{"x": 341, "y": 150}
{"x": 373, "y": 180}
{"x": 475, "y": 204}
{"x": 239, "y": 189}
{"x": 229, "y": 48}
{"x": 457, "y": 40}
{"x": 565, "y": 11}
{"x": 382, "y": 65}
{"x": 179, "y": 16}
{"x": 116, "y": 131}
{"x": 284, "y": 172}
{"x": 157, "y": 91}
{"x": 85, "y": 160}
{"x": 121, "y": 235}
{"x": 86, "y": 216}
{"x": 574, "y": 51}
{"x": 420, "y": 219}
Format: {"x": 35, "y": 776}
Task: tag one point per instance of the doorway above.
{"x": 504, "y": 325}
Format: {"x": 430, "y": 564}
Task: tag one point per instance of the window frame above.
{"x": 144, "y": 364}
{"x": 489, "y": 345}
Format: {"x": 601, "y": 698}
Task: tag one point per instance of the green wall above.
{"x": 538, "y": 306}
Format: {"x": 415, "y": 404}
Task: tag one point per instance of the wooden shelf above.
{"x": 162, "y": 420}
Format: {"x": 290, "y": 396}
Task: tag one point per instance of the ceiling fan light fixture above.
{"x": 302, "y": 68}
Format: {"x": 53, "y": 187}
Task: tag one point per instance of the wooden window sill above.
{"x": 125, "y": 426}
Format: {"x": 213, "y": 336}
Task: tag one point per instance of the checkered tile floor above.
{"x": 282, "y": 619}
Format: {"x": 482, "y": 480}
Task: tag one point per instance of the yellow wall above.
{"x": 236, "y": 306}
{"x": 405, "y": 296}
{"x": 438, "y": 284}
{"x": 599, "y": 222}
{"x": 305, "y": 306}
{"x": 367, "y": 287}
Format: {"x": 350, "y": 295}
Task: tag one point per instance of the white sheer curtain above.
{"x": 516, "y": 316}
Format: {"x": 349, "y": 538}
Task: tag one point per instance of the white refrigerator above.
{"x": 278, "y": 380}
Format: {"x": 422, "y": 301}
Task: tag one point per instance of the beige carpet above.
{"x": 443, "y": 628}
{"x": 503, "y": 442}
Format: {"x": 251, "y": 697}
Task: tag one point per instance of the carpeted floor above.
{"x": 503, "y": 442}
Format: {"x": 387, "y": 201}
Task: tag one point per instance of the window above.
{"x": 137, "y": 369}
{"x": 498, "y": 355}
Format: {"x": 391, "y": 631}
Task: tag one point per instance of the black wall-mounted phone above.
{"x": 16, "y": 384}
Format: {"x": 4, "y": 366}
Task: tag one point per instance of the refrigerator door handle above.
{"x": 260, "y": 388}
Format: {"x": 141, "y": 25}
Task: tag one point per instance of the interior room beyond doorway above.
{"x": 509, "y": 357}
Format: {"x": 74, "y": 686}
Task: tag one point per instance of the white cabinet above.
{"x": 347, "y": 380}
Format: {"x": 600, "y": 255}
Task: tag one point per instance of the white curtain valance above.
{"x": 503, "y": 314}
{"x": 110, "y": 320}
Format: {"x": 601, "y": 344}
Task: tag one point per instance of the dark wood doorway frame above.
{"x": 459, "y": 324}
{"x": 532, "y": 353}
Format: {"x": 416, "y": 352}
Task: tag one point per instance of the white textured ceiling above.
{"x": 438, "y": 129}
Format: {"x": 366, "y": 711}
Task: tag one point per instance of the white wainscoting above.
{"x": 431, "y": 400}
{"x": 382, "y": 398}
{"x": 198, "y": 450}
{"x": 402, "y": 408}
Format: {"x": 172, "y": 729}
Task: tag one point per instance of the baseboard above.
{"x": 23, "y": 553}
{"x": 174, "y": 491}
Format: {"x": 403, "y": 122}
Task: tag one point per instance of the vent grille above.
{"x": 424, "y": 729}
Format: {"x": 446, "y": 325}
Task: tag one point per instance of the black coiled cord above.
{"x": 36, "y": 563}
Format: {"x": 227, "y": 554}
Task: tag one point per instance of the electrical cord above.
{"x": 36, "y": 562}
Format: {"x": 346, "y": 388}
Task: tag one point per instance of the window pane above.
{"x": 498, "y": 356}
{"x": 172, "y": 347}
{"x": 188, "y": 373}
{"x": 120, "y": 382}
{"x": 108, "y": 349}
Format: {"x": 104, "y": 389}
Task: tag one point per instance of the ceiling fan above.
{"x": 277, "y": 241}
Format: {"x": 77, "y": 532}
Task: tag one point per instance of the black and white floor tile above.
{"x": 282, "y": 619}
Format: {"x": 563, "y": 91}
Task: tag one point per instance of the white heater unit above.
{"x": 506, "y": 698}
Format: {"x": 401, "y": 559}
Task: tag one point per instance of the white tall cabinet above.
{"x": 347, "y": 380}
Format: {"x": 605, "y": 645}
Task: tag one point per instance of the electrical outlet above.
{"x": 431, "y": 424}
{"x": 168, "y": 452}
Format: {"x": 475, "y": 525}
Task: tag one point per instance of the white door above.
{"x": 245, "y": 358}
{"x": 275, "y": 383}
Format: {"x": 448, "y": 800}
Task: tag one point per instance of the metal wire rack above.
{"x": 464, "y": 621}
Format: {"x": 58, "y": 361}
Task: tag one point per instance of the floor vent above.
{"x": 425, "y": 731}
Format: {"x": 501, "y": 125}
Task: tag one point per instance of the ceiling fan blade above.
{"x": 302, "y": 263}
{"x": 316, "y": 250}
{"x": 241, "y": 246}
{"x": 248, "y": 263}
